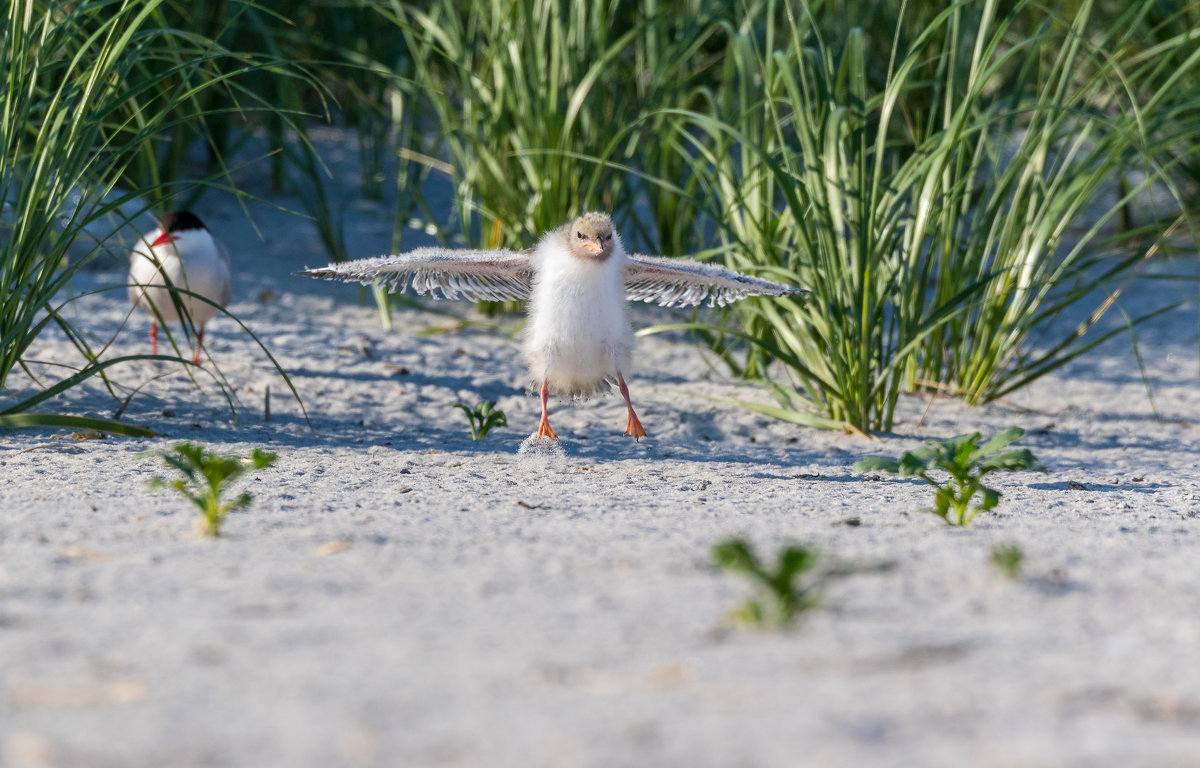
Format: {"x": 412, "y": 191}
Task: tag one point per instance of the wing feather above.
{"x": 445, "y": 273}
{"x": 681, "y": 283}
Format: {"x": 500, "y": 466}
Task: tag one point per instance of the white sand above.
{"x": 400, "y": 595}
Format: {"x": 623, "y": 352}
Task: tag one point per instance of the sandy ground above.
{"x": 398, "y": 595}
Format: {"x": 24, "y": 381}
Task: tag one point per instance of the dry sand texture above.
{"x": 400, "y": 595}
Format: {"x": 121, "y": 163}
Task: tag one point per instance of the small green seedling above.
{"x": 205, "y": 476}
{"x": 1008, "y": 558}
{"x": 967, "y": 463}
{"x": 483, "y": 416}
{"x": 781, "y": 601}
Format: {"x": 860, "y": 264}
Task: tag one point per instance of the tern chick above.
{"x": 577, "y": 280}
{"x": 180, "y": 253}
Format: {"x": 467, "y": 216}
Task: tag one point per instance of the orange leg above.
{"x": 153, "y": 337}
{"x": 633, "y": 426}
{"x": 544, "y": 428}
{"x": 199, "y": 341}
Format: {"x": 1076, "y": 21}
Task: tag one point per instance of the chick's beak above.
{"x": 593, "y": 245}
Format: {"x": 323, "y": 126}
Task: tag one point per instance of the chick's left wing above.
{"x": 682, "y": 282}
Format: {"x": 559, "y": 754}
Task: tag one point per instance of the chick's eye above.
{"x": 579, "y": 235}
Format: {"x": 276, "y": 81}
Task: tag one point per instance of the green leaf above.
{"x": 1008, "y": 558}
{"x": 998, "y": 442}
{"x": 991, "y": 497}
{"x": 1012, "y": 461}
{"x": 735, "y": 555}
{"x": 794, "y": 560}
{"x": 913, "y": 463}
{"x": 963, "y": 448}
{"x": 184, "y": 465}
{"x": 805, "y": 417}
{"x": 877, "y": 464}
{"x": 25, "y": 420}
{"x": 941, "y": 503}
{"x": 749, "y": 613}
{"x": 261, "y": 459}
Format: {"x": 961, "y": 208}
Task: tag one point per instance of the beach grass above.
{"x": 944, "y": 217}
{"x": 947, "y": 181}
{"x": 92, "y": 93}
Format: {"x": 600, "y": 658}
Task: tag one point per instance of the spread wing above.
{"x": 681, "y": 283}
{"x": 459, "y": 273}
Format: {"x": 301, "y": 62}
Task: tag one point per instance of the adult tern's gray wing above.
{"x": 681, "y": 283}
{"x": 467, "y": 274}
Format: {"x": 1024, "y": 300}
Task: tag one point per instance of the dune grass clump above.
{"x": 967, "y": 463}
{"x": 90, "y": 93}
{"x": 943, "y": 203}
{"x": 204, "y": 479}
{"x": 543, "y": 108}
{"x": 947, "y": 180}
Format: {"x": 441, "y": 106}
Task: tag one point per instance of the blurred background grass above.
{"x": 946, "y": 179}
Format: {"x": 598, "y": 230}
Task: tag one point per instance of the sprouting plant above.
{"x": 483, "y": 416}
{"x": 780, "y": 599}
{"x": 205, "y": 476}
{"x": 967, "y": 462}
{"x": 1008, "y": 558}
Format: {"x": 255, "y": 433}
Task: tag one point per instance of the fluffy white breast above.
{"x": 194, "y": 261}
{"x": 578, "y": 336}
